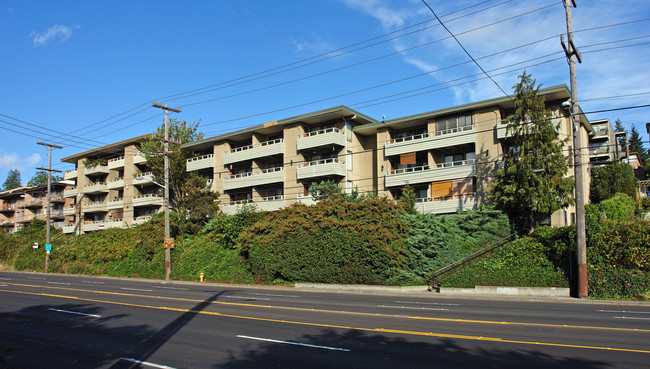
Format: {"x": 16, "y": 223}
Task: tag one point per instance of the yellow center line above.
{"x": 323, "y": 325}
{"x": 472, "y": 321}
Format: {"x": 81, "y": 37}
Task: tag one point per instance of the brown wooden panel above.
{"x": 407, "y": 159}
{"x": 441, "y": 188}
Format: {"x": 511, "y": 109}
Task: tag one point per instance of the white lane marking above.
{"x": 272, "y": 295}
{"x": 629, "y": 317}
{"x": 65, "y": 284}
{"x": 247, "y": 297}
{"x": 174, "y": 288}
{"x": 623, "y": 311}
{"x": 35, "y": 278}
{"x": 425, "y": 303}
{"x": 3, "y": 285}
{"x": 294, "y": 343}
{"x": 136, "y": 289}
{"x": 411, "y": 308}
{"x": 146, "y": 363}
{"x": 92, "y": 282}
{"x": 6, "y": 279}
{"x": 74, "y": 312}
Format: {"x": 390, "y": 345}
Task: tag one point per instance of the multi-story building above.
{"x": 19, "y": 206}
{"x": 448, "y": 156}
{"x": 113, "y": 187}
{"x": 603, "y": 146}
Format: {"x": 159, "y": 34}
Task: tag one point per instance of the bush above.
{"x": 334, "y": 241}
{"x": 519, "y": 263}
{"x": 217, "y": 263}
{"x": 619, "y": 207}
{"x": 618, "y": 283}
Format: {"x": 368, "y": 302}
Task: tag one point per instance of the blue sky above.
{"x": 90, "y": 69}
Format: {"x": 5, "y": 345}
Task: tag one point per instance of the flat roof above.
{"x": 276, "y": 126}
{"x": 115, "y": 148}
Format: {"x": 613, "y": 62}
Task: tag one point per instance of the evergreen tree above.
{"x": 13, "y": 180}
{"x": 40, "y": 178}
{"x": 179, "y": 132}
{"x": 532, "y": 183}
{"x": 636, "y": 145}
{"x": 618, "y": 127}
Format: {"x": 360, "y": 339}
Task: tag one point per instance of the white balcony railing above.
{"x": 116, "y": 163}
{"x": 199, "y": 162}
{"x": 250, "y": 152}
{"x": 430, "y": 141}
{"x": 70, "y": 174}
{"x": 426, "y": 173}
{"x": 446, "y": 204}
{"x": 251, "y": 179}
{"x": 321, "y": 168}
{"x": 323, "y": 137}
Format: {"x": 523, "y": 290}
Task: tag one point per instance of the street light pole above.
{"x": 167, "y": 243}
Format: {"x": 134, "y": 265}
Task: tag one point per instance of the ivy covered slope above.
{"x": 334, "y": 241}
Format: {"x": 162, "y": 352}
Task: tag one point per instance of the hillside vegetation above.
{"x": 360, "y": 240}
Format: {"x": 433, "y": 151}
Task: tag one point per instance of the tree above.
{"x": 636, "y": 145}
{"x": 408, "y": 199}
{"x": 610, "y": 179}
{"x": 198, "y": 203}
{"x": 179, "y": 132}
{"x": 40, "y": 179}
{"x": 13, "y": 180}
{"x": 325, "y": 190}
{"x": 618, "y": 127}
{"x": 532, "y": 184}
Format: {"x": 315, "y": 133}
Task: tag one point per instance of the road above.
{"x": 61, "y": 321}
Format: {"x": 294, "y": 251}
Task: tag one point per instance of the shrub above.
{"x": 216, "y": 262}
{"x": 619, "y": 207}
{"x": 334, "y": 241}
{"x": 519, "y": 263}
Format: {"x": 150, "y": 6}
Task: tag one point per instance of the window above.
{"x": 455, "y": 124}
{"x": 348, "y": 160}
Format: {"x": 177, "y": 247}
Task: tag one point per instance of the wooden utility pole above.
{"x": 168, "y": 243}
{"x": 48, "y": 245}
{"x": 581, "y": 234}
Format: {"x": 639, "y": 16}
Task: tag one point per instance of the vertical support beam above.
{"x": 168, "y": 255}
{"x": 49, "y": 192}
{"x": 581, "y": 234}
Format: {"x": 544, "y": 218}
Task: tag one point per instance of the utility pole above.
{"x": 581, "y": 234}
{"x": 48, "y": 245}
{"x": 168, "y": 243}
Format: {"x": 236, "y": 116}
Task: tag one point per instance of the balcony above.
{"x": 116, "y": 203}
{"x": 97, "y": 187}
{"x": 115, "y": 184}
{"x": 600, "y": 131}
{"x": 70, "y": 174}
{"x": 95, "y": 207}
{"x": 321, "y": 168}
{"x": 250, "y": 179}
{"x": 271, "y": 203}
{"x": 306, "y": 199}
{"x": 251, "y": 152}
{"x": 139, "y": 158}
{"x": 116, "y": 163}
{"x": 599, "y": 152}
{"x": 8, "y": 208}
{"x": 69, "y": 210}
{"x": 141, "y": 219}
{"x": 426, "y": 174}
{"x": 148, "y": 200}
{"x": 446, "y": 204}
{"x": 428, "y": 141}
{"x": 143, "y": 179}
{"x": 200, "y": 162}
{"x": 324, "y": 137}
{"x": 68, "y": 228}
{"x": 96, "y": 169}
{"x": 70, "y": 192}
{"x": 34, "y": 203}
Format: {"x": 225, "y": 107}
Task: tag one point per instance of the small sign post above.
{"x": 169, "y": 243}
{"x": 35, "y": 246}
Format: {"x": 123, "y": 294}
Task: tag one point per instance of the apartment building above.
{"x": 19, "y": 206}
{"x": 111, "y": 187}
{"x": 603, "y": 146}
{"x": 448, "y": 156}
{"x": 274, "y": 164}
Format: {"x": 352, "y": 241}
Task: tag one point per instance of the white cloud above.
{"x": 8, "y": 161}
{"x": 14, "y": 161}
{"x": 56, "y": 32}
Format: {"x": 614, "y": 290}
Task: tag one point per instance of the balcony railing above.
{"x": 139, "y": 158}
{"x": 96, "y": 187}
{"x": 250, "y": 152}
{"x": 426, "y": 173}
{"x": 199, "y": 162}
{"x": 428, "y": 141}
{"x": 321, "y": 168}
{"x": 116, "y": 163}
{"x": 70, "y": 192}
{"x": 251, "y": 179}
{"x": 447, "y": 204}
{"x": 115, "y": 183}
{"x": 116, "y": 203}
{"x": 148, "y": 199}
{"x": 70, "y": 174}
{"x": 323, "y": 137}
{"x": 96, "y": 169}
{"x": 143, "y": 178}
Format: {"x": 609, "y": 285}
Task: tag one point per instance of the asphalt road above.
{"x": 60, "y": 321}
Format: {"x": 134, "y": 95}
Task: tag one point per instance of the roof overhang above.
{"x": 104, "y": 151}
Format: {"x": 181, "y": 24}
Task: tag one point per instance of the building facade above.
{"x": 112, "y": 187}
{"x": 448, "y": 156}
{"x": 19, "y": 206}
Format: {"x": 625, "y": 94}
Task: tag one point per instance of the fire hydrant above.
{"x": 201, "y": 277}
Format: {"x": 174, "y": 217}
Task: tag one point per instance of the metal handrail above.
{"x": 460, "y": 262}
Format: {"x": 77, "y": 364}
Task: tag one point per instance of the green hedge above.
{"x": 520, "y": 263}
{"x": 334, "y": 241}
